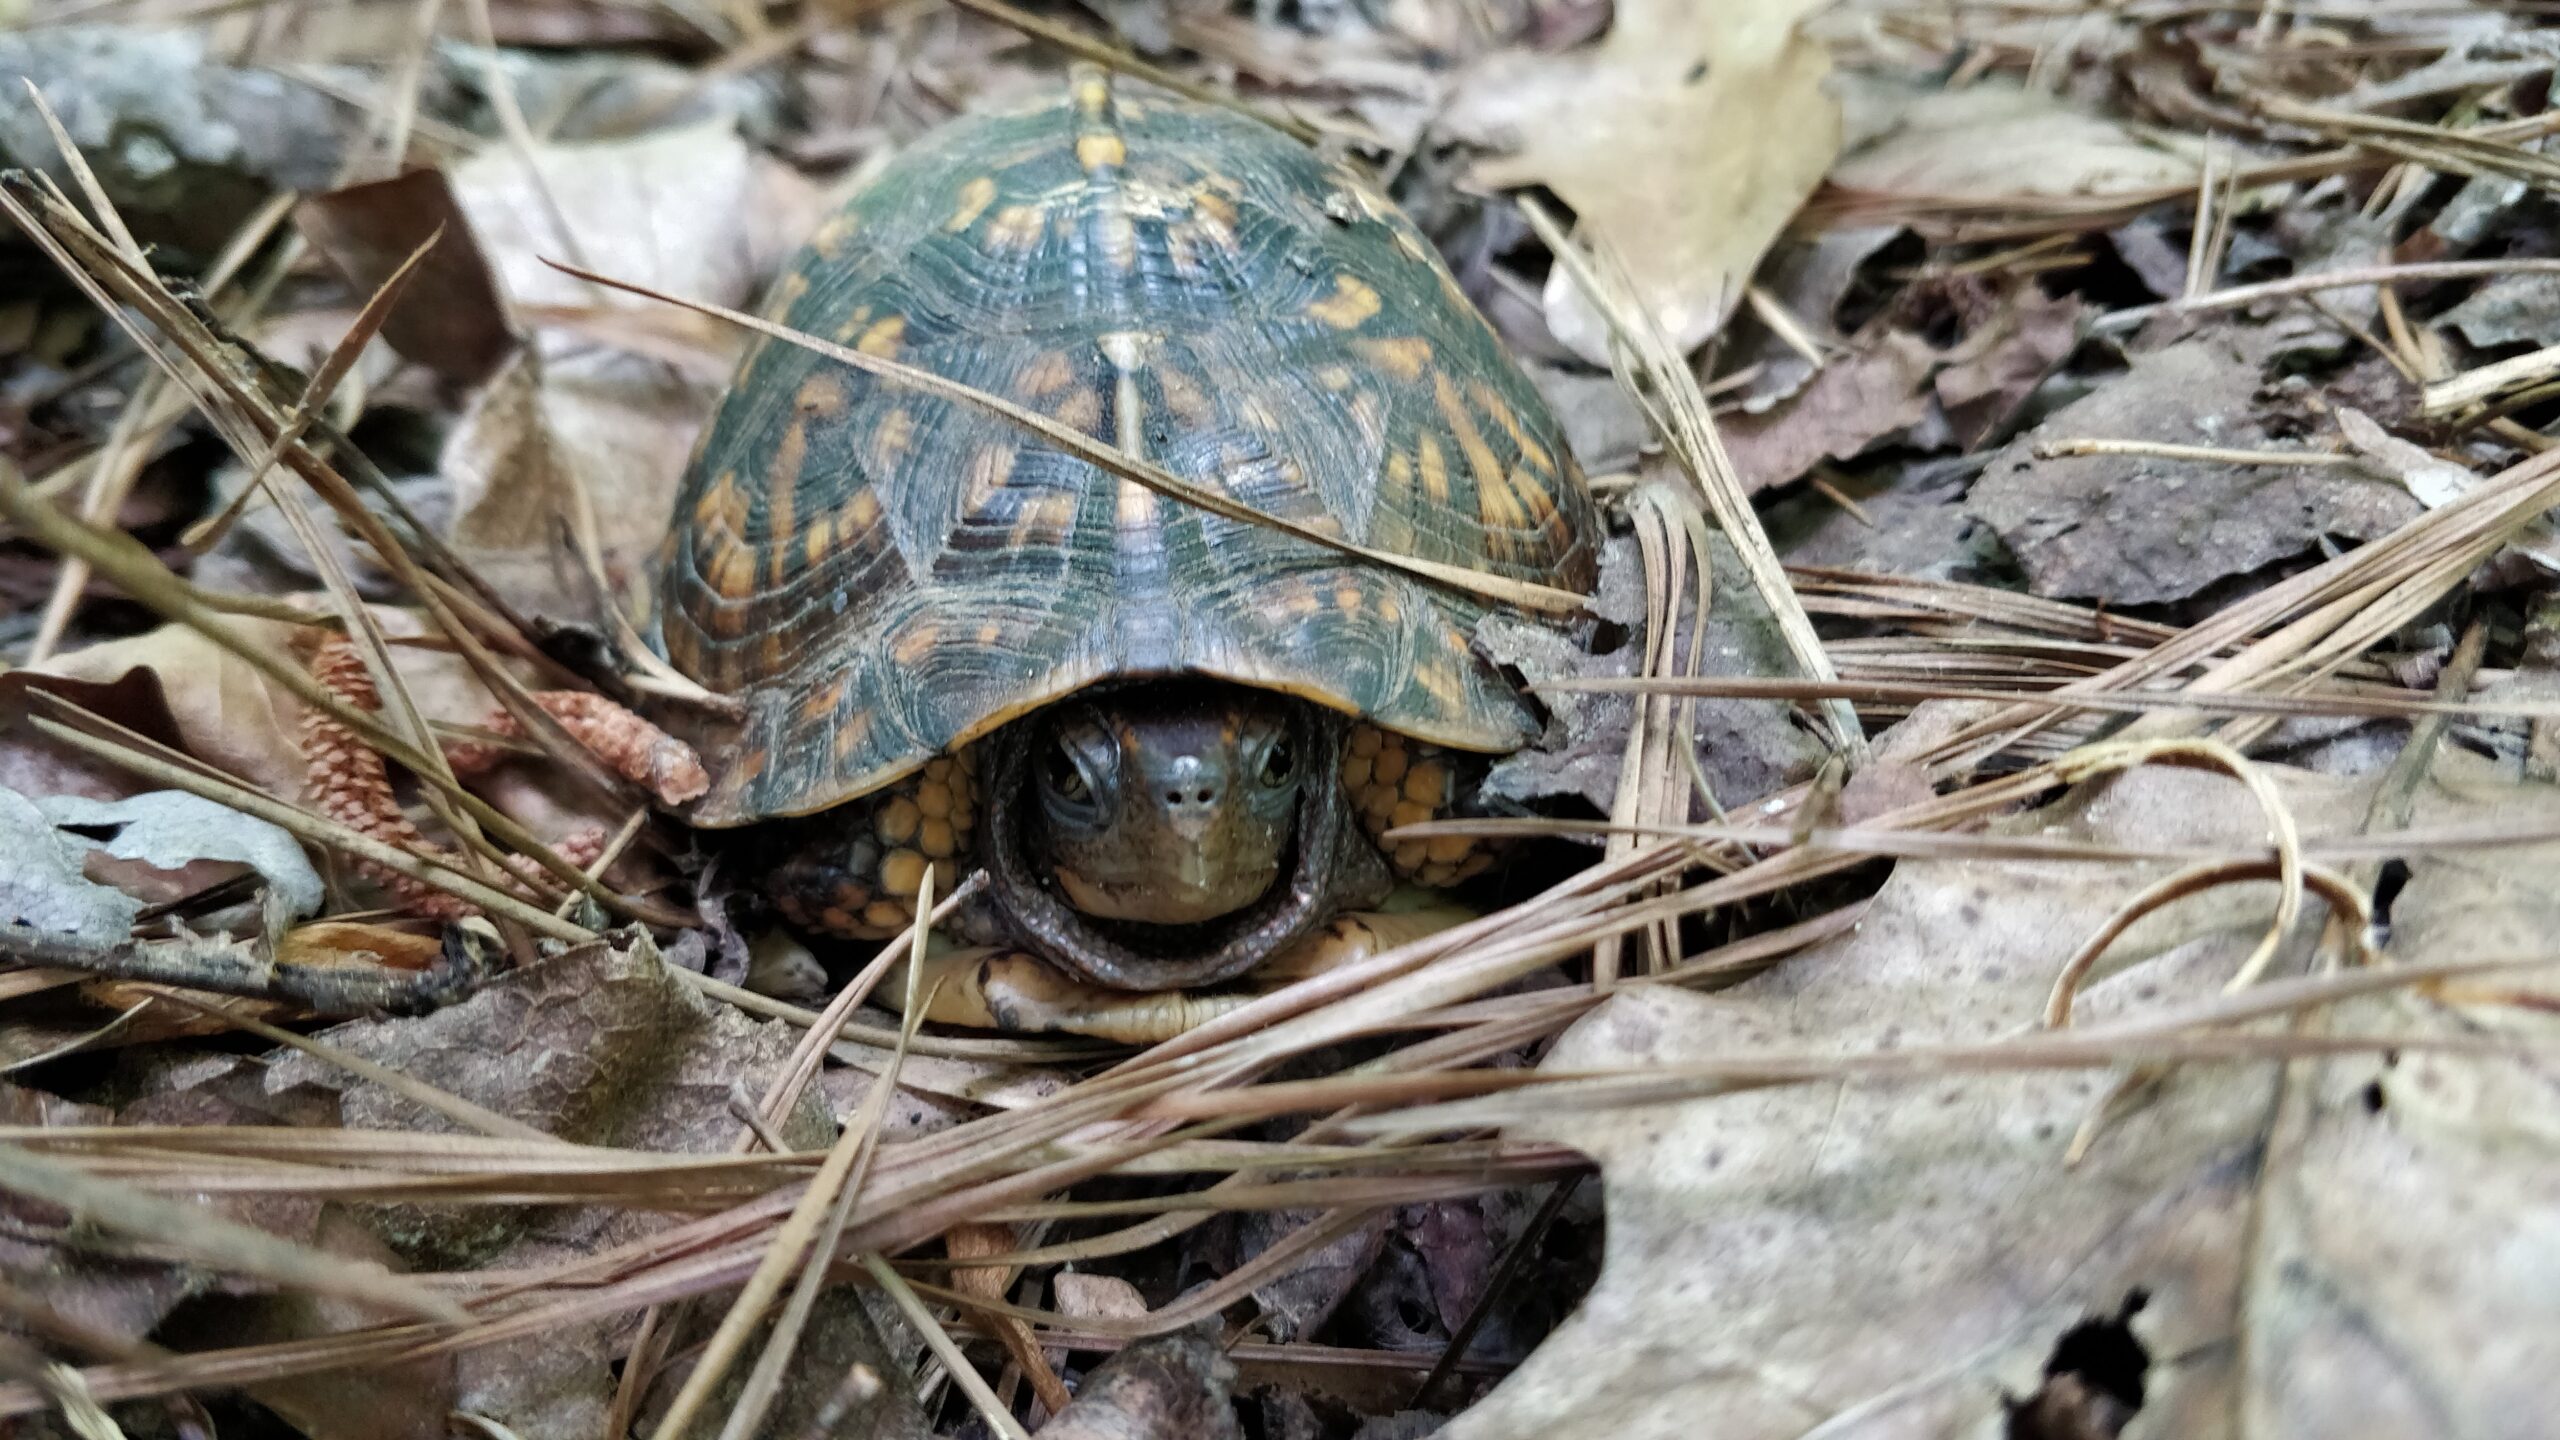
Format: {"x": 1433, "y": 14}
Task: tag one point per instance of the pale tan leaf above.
{"x": 1685, "y": 140}
{"x": 1993, "y": 140}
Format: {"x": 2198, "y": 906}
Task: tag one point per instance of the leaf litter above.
{"x": 2111, "y": 381}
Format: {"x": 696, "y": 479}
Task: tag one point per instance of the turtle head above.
{"x": 1167, "y": 804}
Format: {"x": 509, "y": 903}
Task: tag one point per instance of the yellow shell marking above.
{"x": 1092, "y": 92}
{"x": 1050, "y": 373}
{"x": 1183, "y": 396}
{"x": 1490, "y": 401}
{"x": 853, "y": 731}
{"x": 1099, "y": 151}
{"x": 1213, "y": 219}
{"x": 859, "y": 514}
{"x": 1354, "y": 302}
{"x": 786, "y": 293}
{"x": 1182, "y": 249}
{"x": 975, "y": 197}
{"x": 782, "y": 495}
{"x": 1043, "y": 524}
{"x": 1118, "y": 239}
{"x": 721, "y": 509}
{"x": 820, "y": 703}
{"x": 884, "y": 337}
{"x": 988, "y": 471}
{"x": 1435, "y": 470}
{"x": 890, "y": 441}
{"x": 916, "y": 643}
{"x": 1081, "y": 409}
{"x": 1016, "y": 227}
{"x": 731, "y": 569}
{"x": 1494, "y": 498}
{"x": 1405, "y": 358}
{"x": 829, "y": 241}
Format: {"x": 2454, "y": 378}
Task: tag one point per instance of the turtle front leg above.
{"x": 997, "y": 989}
{"x": 853, "y": 872}
{"x": 1394, "y": 780}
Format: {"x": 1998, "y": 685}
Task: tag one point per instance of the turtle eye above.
{"x": 1065, "y": 777}
{"x": 1279, "y": 767}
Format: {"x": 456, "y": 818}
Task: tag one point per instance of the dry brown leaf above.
{"x": 452, "y": 320}
{"x": 1685, "y": 140}
{"x": 1904, "y": 1256}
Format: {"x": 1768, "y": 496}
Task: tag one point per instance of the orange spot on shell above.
{"x": 891, "y": 439}
{"x": 1016, "y": 227}
{"x": 1435, "y": 470}
{"x": 1404, "y": 357}
{"x": 1354, "y": 302}
{"x": 975, "y": 197}
{"x": 884, "y": 337}
{"x": 1100, "y": 151}
{"x": 1048, "y": 373}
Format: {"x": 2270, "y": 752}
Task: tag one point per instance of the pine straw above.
{"x": 1412, "y": 1124}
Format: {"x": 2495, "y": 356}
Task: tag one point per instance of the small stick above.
{"x": 2216, "y": 454}
{"x": 231, "y": 967}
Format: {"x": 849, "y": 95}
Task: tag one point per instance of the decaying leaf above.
{"x": 2141, "y": 529}
{"x": 1905, "y": 1256}
{"x": 1746, "y": 748}
{"x": 2411, "y": 1221}
{"x": 2434, "y": 480}
{"x": 170, "y": 829}
{"x": 1685, "y": 140}
{"x": 598, "y": 1046}
{"x": 42, "y": 889}
{"x": 452, "y": 320}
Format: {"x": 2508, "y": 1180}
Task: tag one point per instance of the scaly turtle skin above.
{"x": 959, "y": 647}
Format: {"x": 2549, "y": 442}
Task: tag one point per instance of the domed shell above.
{"x": 880, "y": 575}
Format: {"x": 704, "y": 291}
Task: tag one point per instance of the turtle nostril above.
{"x": 1205, "y": 795}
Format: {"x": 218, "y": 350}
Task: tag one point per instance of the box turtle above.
{"x": 1171, "y": 739}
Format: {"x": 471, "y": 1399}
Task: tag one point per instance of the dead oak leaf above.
{"x": 1685, "y": 140}
{"x": 2359, "y": 1245}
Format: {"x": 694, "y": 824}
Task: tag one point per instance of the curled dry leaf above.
{"x": 1897, "y": 1256}
{"x": 1685, "y": 140}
